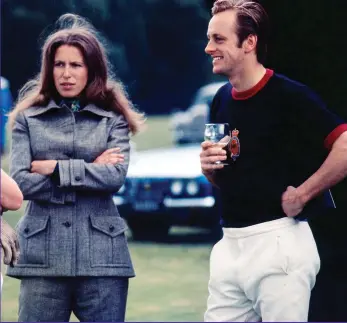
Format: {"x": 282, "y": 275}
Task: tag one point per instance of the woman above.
{"x": 70, "y": 153}
{"x": 11, "y": 199}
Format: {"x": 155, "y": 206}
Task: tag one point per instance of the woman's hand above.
{"x": 110, "y": 156}
{"x": 43, "y": 167}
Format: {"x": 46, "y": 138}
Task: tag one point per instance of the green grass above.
{"x": 170, "y": 284}
{"x": 155, "y": 134}
{"x": 171, "y": 279}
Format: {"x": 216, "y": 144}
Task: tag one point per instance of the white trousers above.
{"x": 263, "y": 272}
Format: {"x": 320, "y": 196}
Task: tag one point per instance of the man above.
{"x": 266, "y": 264}
{"x": 11, "y": 199}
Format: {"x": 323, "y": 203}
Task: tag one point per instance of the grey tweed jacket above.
{"x": 71, "y": 228}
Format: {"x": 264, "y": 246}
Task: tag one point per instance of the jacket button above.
{"x": 77, "y": 178}
{"x": 67, "y": 224}
{"x": 111, "y": 227}
{"x": 26, "y": 230}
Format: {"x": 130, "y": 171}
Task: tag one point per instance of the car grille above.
{"x": 150, "y": 189}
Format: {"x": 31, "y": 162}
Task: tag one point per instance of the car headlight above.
{"x": 192, "y": 188}
{"x": 176, "y": 187}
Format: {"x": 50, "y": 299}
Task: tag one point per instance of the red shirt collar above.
{"x": 243, "y": 95}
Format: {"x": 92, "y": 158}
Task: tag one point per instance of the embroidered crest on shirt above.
{"x": 234, "y": 145}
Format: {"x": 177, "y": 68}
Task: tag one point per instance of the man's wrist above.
{"x": 210, "y": 175}
{"x": 302, "y": 194}
{"x": 208, "y": 172}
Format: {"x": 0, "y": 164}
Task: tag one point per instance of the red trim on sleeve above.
{"x": 337, "y": 132}
{"x": 243, "y": 95}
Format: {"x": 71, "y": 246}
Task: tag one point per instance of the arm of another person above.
{"x": 11, "y": 199}
{"x": 11, "y": 195}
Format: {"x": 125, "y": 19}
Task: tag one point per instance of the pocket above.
{"x": 108, "y": 243}
{"x": 282, "y": 255}
{"x": 264, "y": 253}
{"x": 33, "y": 234}
{"x": 298, "y": 247}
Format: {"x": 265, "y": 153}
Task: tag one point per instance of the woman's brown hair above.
{"x": 102, "y": 88}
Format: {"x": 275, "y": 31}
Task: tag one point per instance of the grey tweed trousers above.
{"x": 91, "y": 299}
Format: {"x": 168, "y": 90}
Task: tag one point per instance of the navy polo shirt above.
{"x": 282, "y": 132}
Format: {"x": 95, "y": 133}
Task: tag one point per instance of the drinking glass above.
{"x": 219, "y": 134}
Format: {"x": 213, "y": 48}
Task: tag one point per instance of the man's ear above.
{"x": 250, "y": 43}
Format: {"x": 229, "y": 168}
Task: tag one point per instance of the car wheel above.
{"x": 148, "y": 230}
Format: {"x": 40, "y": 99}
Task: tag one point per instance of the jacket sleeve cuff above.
{"x": 55, "y": 175}
{"x": 64, "y": 173}
{"x": 71, "y": 172}
{"x": 77, "y": 172}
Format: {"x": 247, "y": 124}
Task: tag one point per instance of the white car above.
{"x": 188, "y": 126}
{"x": 165, "y": 186}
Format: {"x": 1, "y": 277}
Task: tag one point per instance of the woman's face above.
{"x": 70, "y": 72}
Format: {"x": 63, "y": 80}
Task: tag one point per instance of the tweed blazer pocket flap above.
{"x": 110, "y": 225}
{"x": 32, "y": 225}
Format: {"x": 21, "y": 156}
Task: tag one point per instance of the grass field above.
{"x": 171, "y": 279}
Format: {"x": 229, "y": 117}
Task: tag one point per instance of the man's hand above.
{"x": 292, "y": 203}
{"x": 43, "y": 167}
{"x": 9, "y": 243}
{"x": 110, "y": 156}
{"x": 211, "y": 152}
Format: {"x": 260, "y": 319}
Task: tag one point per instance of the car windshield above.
{"x": 203, "y": 97}
{"x": 206, "y": 93}
{"x": 188, "y": 126}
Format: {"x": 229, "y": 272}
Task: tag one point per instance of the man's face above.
{"x": 222, "y": 44}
